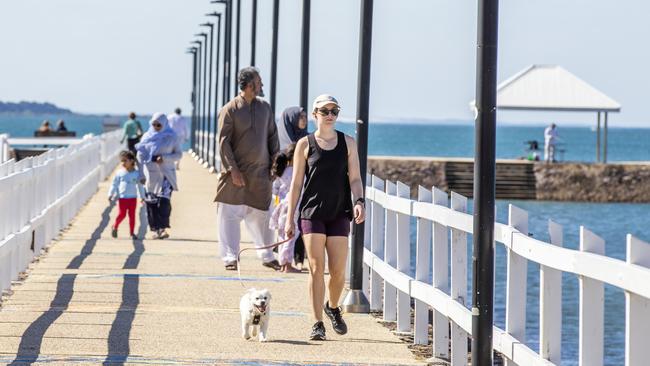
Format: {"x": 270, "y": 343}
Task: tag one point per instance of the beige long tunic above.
{"x": 248, "y": 141}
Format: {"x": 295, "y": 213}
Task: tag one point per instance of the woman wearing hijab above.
{"x": 292, "y": 126}
{"x": 158, "y": 150}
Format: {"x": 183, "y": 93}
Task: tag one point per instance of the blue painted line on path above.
{"x": 187, "y": 276}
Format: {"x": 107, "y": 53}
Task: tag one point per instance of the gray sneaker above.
{"x": 317, "y": 332}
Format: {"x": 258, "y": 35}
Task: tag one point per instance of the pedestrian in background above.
{"x": 179, "y": 124}
{"x": 132, "y": 132}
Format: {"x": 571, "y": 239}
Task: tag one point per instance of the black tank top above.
{"x": 326, "y": 194}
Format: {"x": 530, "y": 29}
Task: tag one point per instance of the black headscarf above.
{"x": 290, "y": 118}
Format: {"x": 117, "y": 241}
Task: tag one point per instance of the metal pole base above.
{"x": 355, "y": 302}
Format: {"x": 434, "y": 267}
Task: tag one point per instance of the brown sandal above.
{"x": 231, "y": 266}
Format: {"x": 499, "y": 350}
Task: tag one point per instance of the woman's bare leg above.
{"x": 337, "y": 255}
{"x": 315, "y": 247}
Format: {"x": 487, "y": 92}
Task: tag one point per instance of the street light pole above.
{"x": 216, "y": 88}
{"x": 207, "y": 135}
{"x": 237, "y": 47}
{"x": 253, "y": 32}
{"x": 484, "y": 183}
{"x": 304, "y": 58}
{"x": 274, "y": 54}
{"x": 355, "y": 301}
{"x": 205, "y": 82}
{"x": 226, "y": 49}
{"x": 195, "y": 147}
{"x": 193, "y": 98}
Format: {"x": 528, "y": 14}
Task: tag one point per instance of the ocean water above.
{"x": 611, "y": 221}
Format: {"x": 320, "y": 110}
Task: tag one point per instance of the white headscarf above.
{"x": 153, "y": 141}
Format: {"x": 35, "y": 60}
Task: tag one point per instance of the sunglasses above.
{"x": 156, "y": 125}
{"x": 326, "y": 112}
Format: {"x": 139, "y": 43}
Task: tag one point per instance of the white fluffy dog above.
{"x": 255, "y": 313}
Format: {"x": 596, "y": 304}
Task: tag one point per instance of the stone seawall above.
{"x": 627, "y": 182}
{"x": 618, "y": 182}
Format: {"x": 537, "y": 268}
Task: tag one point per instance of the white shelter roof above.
{"x": 551, "y": 87}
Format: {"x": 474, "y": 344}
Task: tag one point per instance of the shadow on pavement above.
{"x": 133, "y": 260}
{"x": 88, "y": 247}
{"x": 118, "y": 337}
{"x": 32, "y": 338}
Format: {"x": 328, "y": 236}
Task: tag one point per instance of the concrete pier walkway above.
{"x": 93, "y": 299}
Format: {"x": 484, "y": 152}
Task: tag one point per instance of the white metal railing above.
{"x": 4, "y": 148}
{"x": 40, "y": 195}
{"x": 442, "y": 227}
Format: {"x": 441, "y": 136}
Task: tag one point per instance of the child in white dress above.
{"x": 282, "y": 171}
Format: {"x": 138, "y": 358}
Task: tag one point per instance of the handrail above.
{"x": 40, "y": 195}
{"x": 390, "y": 203}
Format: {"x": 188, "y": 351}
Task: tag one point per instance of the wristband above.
{"x": 360, "y": 200}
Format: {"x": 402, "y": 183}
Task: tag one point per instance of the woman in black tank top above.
{"x": 328, "y": 163}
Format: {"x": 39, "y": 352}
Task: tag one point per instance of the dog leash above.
{"x": 260, "y": 248}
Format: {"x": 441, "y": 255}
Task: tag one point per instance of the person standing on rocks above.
{"x": 248, "y": 141}
{"x": 550, "y": 139}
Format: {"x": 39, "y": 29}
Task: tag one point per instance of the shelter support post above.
{"x": 598, "y": 139}
{"x": 605, "y": 140}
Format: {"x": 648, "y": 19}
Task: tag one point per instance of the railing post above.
{"x": 458, "y": 281}
{"x": 592, "y": 303}
{"x": 423, "y": 255}
{"x": 516, "y": 280}
{"x": 440, "y": 257}
{"x": 403, "y": 261}
{"x": 365, "y": 285}
{"x": 4, "y": 148}
{"x": 550, "y": 304}
{"x": 390, "y": 257}
{"x": 637, "y": 308}
{"x": 376, "y": 245}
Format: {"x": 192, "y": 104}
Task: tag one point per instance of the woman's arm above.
{"x": 299, "y": 161}
{"x": 176, "y": 154}
{"x": 356, "y": 185}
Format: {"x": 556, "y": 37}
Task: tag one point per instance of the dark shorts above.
{"x": 336, "y": 227}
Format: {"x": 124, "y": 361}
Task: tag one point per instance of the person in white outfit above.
{"x": 282, "y": 172}
{"x": 248, "y": 141}
{"x": 179, "y": 124}
{"x": 550, "y": 139}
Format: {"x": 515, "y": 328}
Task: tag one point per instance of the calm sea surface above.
{"x": 610, "y": 220}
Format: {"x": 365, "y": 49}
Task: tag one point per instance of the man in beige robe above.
{"x": 248, "y": 141}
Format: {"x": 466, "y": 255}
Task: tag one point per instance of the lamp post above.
{"x": 227, "y": 47}
{"x": 304, "y": 58}
{"x": 193, "y": 51}
{"x": 216, "y": 88}
{"x": 253, "y": 31}
{"x": 195, "y": 146}
{"x": 274, "y": 53}
{"x": 207, "y": 135}
{"x": 355, "y": 301}
{"x": 484, "y": 183}
{"x": 205, "y": 82}
{"x": 237, "y": 46}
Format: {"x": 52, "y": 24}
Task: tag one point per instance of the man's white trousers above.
{"x": 229, "y": 218}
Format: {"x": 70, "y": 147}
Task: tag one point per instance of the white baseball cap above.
{"x": 323, "y": 100}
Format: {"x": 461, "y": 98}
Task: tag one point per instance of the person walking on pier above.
{"x": 126, "y": 188}
{"x": 550, "y": 140}
{"x": 292, "y": 126}
{"x": 132, "y": 132}
{"x": 248, "y": 141}
{"x": 179, "y": 124}
{"x": 157, "y": 152}
{"x": 282, "y": 171}
{"x": 330, "y": 162}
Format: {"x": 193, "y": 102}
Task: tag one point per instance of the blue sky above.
{"x": 113, "y": 56}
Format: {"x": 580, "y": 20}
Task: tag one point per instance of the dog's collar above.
{"x": 256, "y": 319}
